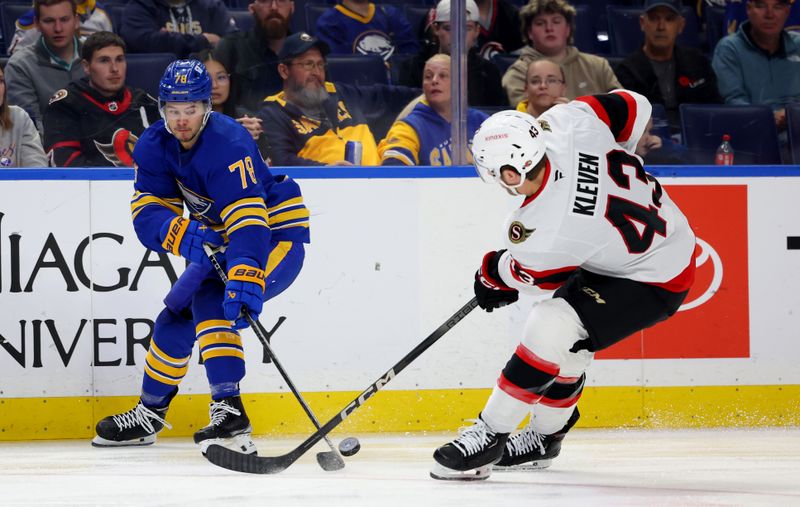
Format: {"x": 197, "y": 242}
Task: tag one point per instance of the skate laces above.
{"x": 139, "y": 415}
{"x": 473, "y": 438}
{"x": 525, "y": 442}
{"x": 219, "y": 410}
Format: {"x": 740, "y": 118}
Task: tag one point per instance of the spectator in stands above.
{"x": 92, "y": 19}
{"x": 423, "y": 137}
{"x": 545, "y": 86}
{"x": 96, "y": 120}
{"x": 499, "y": 22}
{"x": 221, "y": 101}
{"x": 483, "y": 77}
{"x": 664, "y": 72}
{"x": 35, "y": 72}
{"x": 547, "y": 27}
{"x": 760, "y": 63}
{"x": 252, "y": 56}
{"x": 362, "y": 27}
{"x": 311, "y": 120}
{"x": 174, "y": 26}
{"x": 736, "y": 14}
{"x": 20, "y": 145}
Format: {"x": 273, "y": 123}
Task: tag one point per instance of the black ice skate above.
{"x": 470, "y": 456}
{"x": 229, "y": 427}
{"x": 137, "y": 426}
{"x": 529, "y": 450}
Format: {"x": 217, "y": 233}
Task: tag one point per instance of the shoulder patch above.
{"x": 60, "y": 94}
{"x": 545, "y": 126}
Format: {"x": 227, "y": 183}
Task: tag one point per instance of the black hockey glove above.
{"x": 490, "y": 290}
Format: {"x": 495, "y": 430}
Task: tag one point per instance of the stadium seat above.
{"x": 145, "y": 70}
{"x": 754, "y": 137}
{"x": 357, "y": 69}
{"x": 9, "y": 12}
{"x": 114, "y": 12}
{"x": 793, "y": 124}
{"x": 503, "y": 61}
{"x": 244, "y": 20}
{"x": 313, "y": 12}
{"x": 416, "y": 15}
{"x": 626, "y": 36}
{"x": 585, "y": 36}
{"x": 715, "y": 26}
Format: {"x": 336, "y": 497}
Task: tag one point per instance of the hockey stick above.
{"x": 249, "y": 463}
{"x": 328, "y": 460}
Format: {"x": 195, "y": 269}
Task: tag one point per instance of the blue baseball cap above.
{"x": 674, "y": 5}
{"x": 300, "y": 42}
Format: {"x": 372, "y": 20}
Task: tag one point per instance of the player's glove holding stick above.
{"x": 490, "y": 290}
{"x": 244, "y": 290}
{"x": 185, "y": 238}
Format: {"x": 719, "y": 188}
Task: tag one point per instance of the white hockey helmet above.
{"x": 508, "y": 138}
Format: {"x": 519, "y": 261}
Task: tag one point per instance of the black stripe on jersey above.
{"x": 617, "y": 110}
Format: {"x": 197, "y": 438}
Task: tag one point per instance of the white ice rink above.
{"x": 597, "y": 467}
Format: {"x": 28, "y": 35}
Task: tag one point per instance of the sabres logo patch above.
{"x": 517, "y": 233}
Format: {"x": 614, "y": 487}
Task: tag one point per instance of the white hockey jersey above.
{"x": 597, "y": 209}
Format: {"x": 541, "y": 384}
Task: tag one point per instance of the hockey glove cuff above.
{"x": 244, "y": 290}
{"x": 183, "y": 237}
{"x": 490, "y": 290}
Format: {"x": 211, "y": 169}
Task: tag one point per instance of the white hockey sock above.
{"x": 547, "y": 420}
{"x": 503, "y": 412}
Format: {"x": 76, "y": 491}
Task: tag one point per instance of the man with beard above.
{"x": 96, "y": 120}
{"x": 252, "y": 57}
{"x": 312, "y": 120}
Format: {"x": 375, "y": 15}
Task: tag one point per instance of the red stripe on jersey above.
{"x": 598, "y": 109}
{"x": 545, "y": 178}
{"x": 66, "y": 144}
{"x": 567, "y": 380}
{"x": 683, "y": 281}
{"x": 517, "y": 392}
{"x": 569, "y": 402}
{"x": 625, "y": 134}
{"x": 535, "y": 361}
{"x": 121, "y": 106}
{"x": 71, "y": 158}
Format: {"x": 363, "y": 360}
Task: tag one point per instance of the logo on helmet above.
{"x": 494, "y": 137}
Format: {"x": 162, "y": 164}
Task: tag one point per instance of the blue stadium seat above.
{"x": 244, "y": 20}
{"x": 145, "y": 70}
{"x": 754, "y": 137}
{"x": 298, "y": 21}
{"x": 416, "y": 14}
{"x": 357, "y": 69}
{"x": 313, "y": 12}
{"x": 793, "y": 123}
{"x": 585, "y": 36}
{"x": 626, "y": 36}
{"x": 114, "y": 12}
{"x": 503, "y": 61}
{"x": 715, "y": 26}
{"x": 9, "y": 12}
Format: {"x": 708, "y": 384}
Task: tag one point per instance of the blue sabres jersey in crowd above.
{"x": 736, "y": 14}
{"x": 423, "y": 138}
{"x": 223, "y": 182}
{"x": 384, "y": 31}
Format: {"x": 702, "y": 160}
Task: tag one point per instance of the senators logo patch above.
{"x": 120, "y": 150}
{"x": 517, "y": 233}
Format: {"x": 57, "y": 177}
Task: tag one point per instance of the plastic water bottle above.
{"x": 724, "y": 152}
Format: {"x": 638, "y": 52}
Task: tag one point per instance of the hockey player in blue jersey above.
{"x": 208, "y": 164}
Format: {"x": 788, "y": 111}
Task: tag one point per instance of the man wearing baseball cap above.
{"x": 311, "y": 120}
{"x": 483, "y": 77}
{"x": 664, "y": 72}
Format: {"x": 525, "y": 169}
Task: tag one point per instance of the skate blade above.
{"x": 240, "y": 443}
{"x": 99, "y": 441}
{"x": 443, "y": 473}
{"x": 530, "y": 465}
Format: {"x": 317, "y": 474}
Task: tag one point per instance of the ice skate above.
{"x": 529, "y": 450}
{"x": 471, "y": 455}
{"x": 229, "y": 427}
{"x": 137, "y": 426}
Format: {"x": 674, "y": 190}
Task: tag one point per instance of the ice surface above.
{"x": 597, "y": 467}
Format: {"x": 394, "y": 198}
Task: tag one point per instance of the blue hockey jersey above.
{"x": 423, "y": 138}
{"x": 223, "y": 182}
{"x": 384, "y": 31}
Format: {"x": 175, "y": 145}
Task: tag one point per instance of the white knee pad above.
{"x": 552, "y": 329}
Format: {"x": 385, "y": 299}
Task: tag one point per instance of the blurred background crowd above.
{"x": 356, "y": 82}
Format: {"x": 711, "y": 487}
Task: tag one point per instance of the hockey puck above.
{"x": 349, "y": 446}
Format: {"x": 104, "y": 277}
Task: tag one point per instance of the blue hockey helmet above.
{"x": 185, "y": 81}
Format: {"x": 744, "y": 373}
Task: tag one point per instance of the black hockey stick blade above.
{"x": 330, "y": 461}
{"x": 253, "y": 464}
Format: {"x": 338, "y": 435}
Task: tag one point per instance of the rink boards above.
{"x": 392, "y": 256}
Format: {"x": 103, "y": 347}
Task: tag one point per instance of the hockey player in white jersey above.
{"x": 595, "y": 228}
